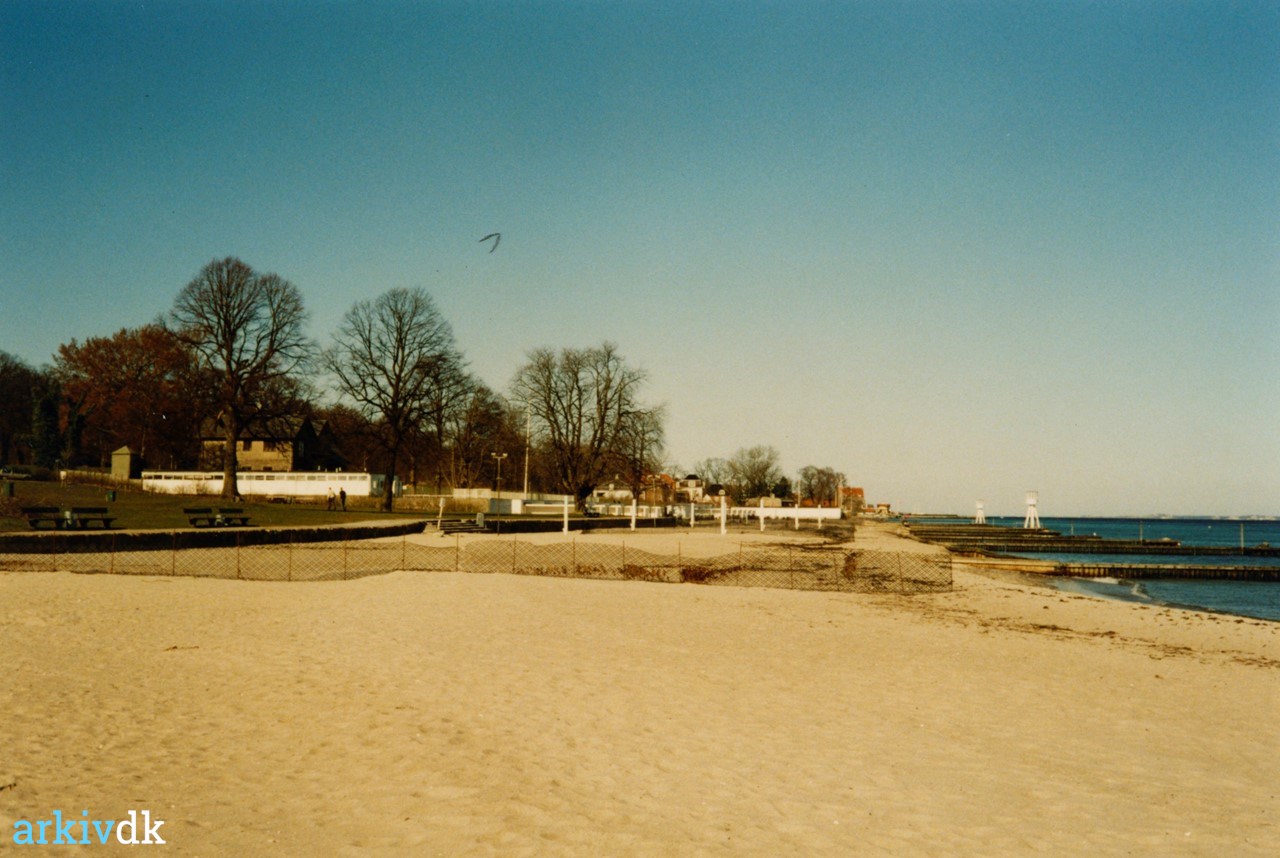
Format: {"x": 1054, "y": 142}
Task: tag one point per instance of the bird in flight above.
{"x": 496, "y": 236}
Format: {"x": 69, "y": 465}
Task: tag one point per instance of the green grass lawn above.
{"x": 134, "y": 509}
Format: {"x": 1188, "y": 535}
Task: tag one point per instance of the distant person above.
{"x": 329, "y": 502}
{"x": 342, "y": 496}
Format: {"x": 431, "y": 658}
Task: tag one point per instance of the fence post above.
{"x": 344, "y": 557}
{"x": 173, "y": 557}
{"x": 457, "y": 552}
{"x": 113, "y": 553}
{"x": 288, "y": 559}
{"x": 514, "y": 540}
{"x": 575, "y": 556}
{"x": 237, "y": 556}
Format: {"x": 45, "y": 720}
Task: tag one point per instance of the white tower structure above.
{"x": 980, "y": 517}
{"x": 1032, "y": 521}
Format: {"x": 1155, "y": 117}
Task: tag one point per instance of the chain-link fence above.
{"x": 794, "y": 567}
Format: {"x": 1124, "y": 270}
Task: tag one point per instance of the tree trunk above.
{"x": 389, "y": 482}
{"x": 230, "y": 489}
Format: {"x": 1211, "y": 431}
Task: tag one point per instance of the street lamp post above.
{"x": 528, "y": 432}
{"x": 498, "y": 457}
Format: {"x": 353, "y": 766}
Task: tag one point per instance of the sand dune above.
{"x": 455, "y": 714}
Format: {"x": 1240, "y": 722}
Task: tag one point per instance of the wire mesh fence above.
{"x": 794, "y": 567}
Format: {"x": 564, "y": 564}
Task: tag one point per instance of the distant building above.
{"x": 283, "y": 444}
{"x": 614, "y": 491}
{"x": 659, "y": 490}
{"x": 691, "y": 489}
{"x": 852, "y": 499}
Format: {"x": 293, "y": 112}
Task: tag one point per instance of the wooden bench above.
{"x": 38, "y": 515}
{"x": 201, "y": 514}
{"x": 232, "y": 515}
{"x": 80, "y": 516}
{"x": 222, "y": 517}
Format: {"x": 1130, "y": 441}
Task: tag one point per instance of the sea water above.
{"x": 1258, "y": 599}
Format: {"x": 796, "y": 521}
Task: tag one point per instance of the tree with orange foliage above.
{"x": 139, "y": 388}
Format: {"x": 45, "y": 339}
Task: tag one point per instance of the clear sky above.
{"x": 956, "y": 250}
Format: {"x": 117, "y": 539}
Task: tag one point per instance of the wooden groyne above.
{"x": 1169, "y": 570}
{"x": 993, "y": 539}
{"x": 994, "y": 544}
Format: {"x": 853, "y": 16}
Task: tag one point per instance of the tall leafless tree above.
{"x": 753, "y": 472}
{"x": 389, "y": 357}
{"x": 450, "y": 395}
{"x": 641, "y": 446}
{"x": 583, "y": 402}
{"x": 712, "y": 471}
{"x": 247, "y": 328}
{"x": 821, "y": 485}
{"x": 484, "y": 426}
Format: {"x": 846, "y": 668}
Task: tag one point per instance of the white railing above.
{"x": 268, "y": 483}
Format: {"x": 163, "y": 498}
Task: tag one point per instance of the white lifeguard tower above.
{"x": 1032, "y": 521}
{"x": 980, "y": 517}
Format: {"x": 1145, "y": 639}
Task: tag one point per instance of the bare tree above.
{"x": 388, "y": 357}
{"x": 451, "y": 393}
{"x": 712, "y": 471}
{"x": 821, "y": 485}
{"x": 583, "y": 402}
{"x": 486, "y": 425}
{"x": 640, "y": 447}
{"x": 247, "y": 328}
{"x": 753, "y": 472}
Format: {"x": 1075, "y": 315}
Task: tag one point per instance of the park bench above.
{"x": 200, "y": 515}
{"x": 38, "y": 515}
{"x": 80, "y": 516}
{"x": 227, "y": 515}
{"x": 232, "y": 515}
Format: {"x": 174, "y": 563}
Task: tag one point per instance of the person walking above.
{"x": 342, "y": 496}
{"x": 329, "y": 502}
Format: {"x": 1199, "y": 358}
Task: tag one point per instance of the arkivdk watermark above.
{"x": 138, "y": 829}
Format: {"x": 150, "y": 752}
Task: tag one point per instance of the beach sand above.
{"x": 472, "y": 714}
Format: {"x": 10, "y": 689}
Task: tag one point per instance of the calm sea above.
{"x": 1242, "y": 598}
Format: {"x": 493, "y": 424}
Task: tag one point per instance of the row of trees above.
{"x": 755, "y": 472}
{"x": 234, "y": 347}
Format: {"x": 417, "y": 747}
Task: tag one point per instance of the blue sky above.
{"x": 955, "y": 250}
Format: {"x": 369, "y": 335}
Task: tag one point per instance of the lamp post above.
{"x": 528, "y": 433}
{"x": 498, "y": 457}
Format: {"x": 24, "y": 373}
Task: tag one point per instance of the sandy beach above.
{"x": 493, "y": 714}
